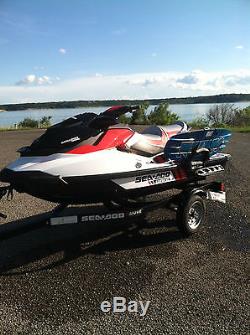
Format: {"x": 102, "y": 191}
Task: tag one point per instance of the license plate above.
{"x": 217, "y": 196}
{"x": 61, "y": 220}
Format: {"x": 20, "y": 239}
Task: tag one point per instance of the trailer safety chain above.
{"x": 10, "y": 194}
{"x": 8, "y": 191}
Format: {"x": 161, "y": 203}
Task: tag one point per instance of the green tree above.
{"x": 161, "y": 115}
{"x": 242, "y": 117}
{"x": 222, "y": 115}
{"x": 125, "y": 119}
{"x": 140, "y": 117}
{"x": 28, "y": 123}
{"x": 45, "y": 121}
{"x": 200, "y": 122}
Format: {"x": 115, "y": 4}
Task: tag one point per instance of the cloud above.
{"x": 144, "y": 82}
{"x": 189, "y": 79}
{"x": 62, "y": 51}
{"x": 232, "y": 80}
{"x": 33, "y": 80}
{"x": 239, "y": 47}
{"x": 129, "y": 86}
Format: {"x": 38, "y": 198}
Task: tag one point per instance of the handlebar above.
{"x": 117, "y": 111}
{"x": 134, "y": 108}
{"x": 110, "y": 116}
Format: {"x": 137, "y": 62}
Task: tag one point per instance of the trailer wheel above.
{"x": 191, "y": 214}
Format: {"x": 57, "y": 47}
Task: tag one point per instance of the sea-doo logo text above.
{"x": 103, "y": 217}
{"x": 134, "y": 213}
{"x": 156, "y": 178}
{"x": 73, "y": 139}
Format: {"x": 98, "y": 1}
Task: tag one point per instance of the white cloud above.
{"x": 234, "y": 79}
{"x": 33, "y": 80}
{"x": 189, "y": 79}
{"x": 62, "y": 51}
{"x": 145, "y": 81}
{"x": 129, "y": 86}
{"x": 239, "y": 47}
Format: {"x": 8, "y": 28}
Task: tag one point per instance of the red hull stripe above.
{"x": 172, "y": 133}
{"x": 111, "y": 139}
{"x": 113, "y": 108}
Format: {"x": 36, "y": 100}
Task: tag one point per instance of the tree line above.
{"x": 221, "y": 98}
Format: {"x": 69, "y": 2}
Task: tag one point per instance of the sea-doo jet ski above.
{"x": 91, "y": 158}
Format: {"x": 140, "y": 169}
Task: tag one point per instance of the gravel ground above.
{"x": 53, "y": 280}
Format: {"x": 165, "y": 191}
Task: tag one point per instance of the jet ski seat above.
{"x": 147, "y": 144}
{"x": 153, "y": 139}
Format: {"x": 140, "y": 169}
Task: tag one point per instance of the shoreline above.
{"x": 99, "y": 106}
{"x": 208, "y": 99}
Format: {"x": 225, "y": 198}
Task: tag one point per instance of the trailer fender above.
{"x": 195, "y": 191}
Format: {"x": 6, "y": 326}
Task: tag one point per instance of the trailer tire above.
{"x": 191, "y": 214}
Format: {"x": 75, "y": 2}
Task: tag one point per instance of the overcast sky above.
{"x": 70, "y": 50}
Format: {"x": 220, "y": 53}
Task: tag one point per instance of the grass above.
{"x": 245, "y": 129}
{"x": 17, "y": 129}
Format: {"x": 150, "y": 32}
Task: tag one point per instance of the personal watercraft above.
{"x": 91, "y": 158}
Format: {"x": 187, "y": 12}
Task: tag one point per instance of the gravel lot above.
{"x": 53, "y": 280}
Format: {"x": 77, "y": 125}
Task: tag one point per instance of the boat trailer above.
{"x": 189, "y": 205}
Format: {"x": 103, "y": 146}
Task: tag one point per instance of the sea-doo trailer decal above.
{"x": 145, "y": 180}
{"x": 94, "y": 217}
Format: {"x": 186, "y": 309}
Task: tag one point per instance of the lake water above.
{"x": 186, "y": 112}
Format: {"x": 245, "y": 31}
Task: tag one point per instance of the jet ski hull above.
{"x": 110, "y": 186}
{"x": 55, "y": 189}
{"x": 90, "y": 189}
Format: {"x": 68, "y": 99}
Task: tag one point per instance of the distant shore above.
{"x": 221, "y": 98}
